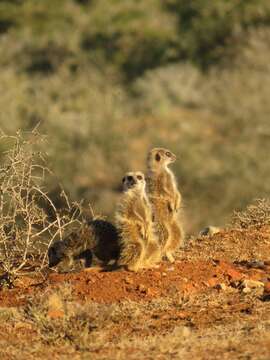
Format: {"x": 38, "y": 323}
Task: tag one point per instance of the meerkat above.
{"x": 96, "y": 237}
{"x": 139, "y": 247}
{"x": 165, "y": 199}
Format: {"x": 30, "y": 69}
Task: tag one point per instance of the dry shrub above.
{"x": 255, "y": 216}
{"x": 88, "y": 326}
{"x": 60, "y": 320}
{"x": 29, "y": 220}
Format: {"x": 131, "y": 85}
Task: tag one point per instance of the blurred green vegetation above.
{"x": 209, "y": 29}
{"x": 108, "y": 79}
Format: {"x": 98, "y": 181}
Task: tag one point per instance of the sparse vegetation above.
{"x": 206, "y": 324}
{"x": 29, "y": 220}
{"x": 255, "y": 216}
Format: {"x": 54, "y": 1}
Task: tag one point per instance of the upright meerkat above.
{"x": 139, "y": 246}
{"x": 165, "y": 199}
{"x": 96, "y": 237}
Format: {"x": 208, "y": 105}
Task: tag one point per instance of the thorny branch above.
{"x": 26, "y": 228}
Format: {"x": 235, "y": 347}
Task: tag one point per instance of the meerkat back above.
{"x": 106, "y": 241}
{"x": 96, "y": 237}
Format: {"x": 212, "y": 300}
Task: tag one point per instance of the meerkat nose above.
{"x": 131, "y": 180}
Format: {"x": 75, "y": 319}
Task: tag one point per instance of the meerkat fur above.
{"x": 96, "y": 237}
{"x": 139, "y": 247}
{"x": 165, "y": 198}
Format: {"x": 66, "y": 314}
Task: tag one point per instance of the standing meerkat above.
{"x": 165, "y": 199}
{"x": 139, "y": 246}
{"x": 95, "y": 237}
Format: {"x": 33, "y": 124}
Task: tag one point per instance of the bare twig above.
{"x": 26, "y": 229}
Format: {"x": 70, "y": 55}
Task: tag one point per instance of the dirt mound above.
{"x": 232, "y": 245}
{"x": 183, "y": 278}
{"x": 207, "y": 262}
{"x": 212, "y": 303}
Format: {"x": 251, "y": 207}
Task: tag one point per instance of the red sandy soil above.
{"x": 221, "y": 320}
{"x": 205, "y": 263}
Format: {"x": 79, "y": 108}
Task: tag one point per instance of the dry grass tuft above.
{"x": 255, "y": 216}
{"x": 203, "y": 326}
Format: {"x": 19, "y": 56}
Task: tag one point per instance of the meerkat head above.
{"x": 160, "y": 158}
{"x": 55, "y": 253}
{"x": 133, "y": 179}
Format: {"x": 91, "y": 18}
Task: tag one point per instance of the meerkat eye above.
{"x": 168, "y": 154}
{"x": 157, "y": 157}
{"x": 130, "y": 178}
{"x": 139, "y": 177}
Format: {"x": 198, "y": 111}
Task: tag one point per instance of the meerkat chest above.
{"x": 141, "y": 208}
{"x": 165, "y": 183}
{"x": 155, "y": 184}
{"x": 135, "y": 209}
{"x": 171, "y": 181}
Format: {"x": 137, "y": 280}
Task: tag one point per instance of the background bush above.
{"x": 108, "y": 79}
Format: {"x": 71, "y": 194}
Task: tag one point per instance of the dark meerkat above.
{"x": 96, "y": 237}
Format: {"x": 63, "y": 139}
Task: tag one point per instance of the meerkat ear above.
{"x": 157, "y": 157}
{"x": 123, "y": 180}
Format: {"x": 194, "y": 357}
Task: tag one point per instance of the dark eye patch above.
{"x": 139, "y": 177}
{"x": 168, "y": 154}
{"x": 130, "y": 178}
{"x": 157, "y": 157}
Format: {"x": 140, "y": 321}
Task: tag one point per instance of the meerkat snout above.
{"x": 159, "y": 157}
{"x": 132, "y": 179}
